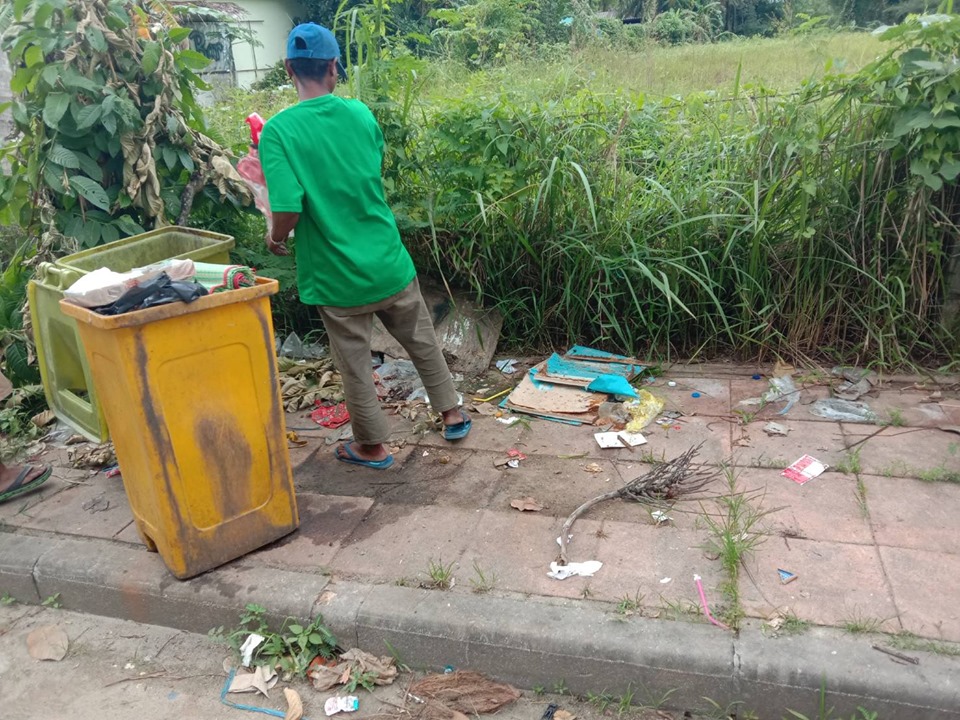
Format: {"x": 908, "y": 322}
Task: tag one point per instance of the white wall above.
{"x": 271, "y": 22}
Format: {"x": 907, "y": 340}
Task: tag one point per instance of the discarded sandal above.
{"x": 349, "y": 456}
{"x": 21, "y": 487}
{"x": 458, "y": 431}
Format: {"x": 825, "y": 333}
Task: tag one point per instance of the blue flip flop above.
{"x": 458, "y": 431}
{"x": 354, "y": 459}
{"x": 20, "y": 486}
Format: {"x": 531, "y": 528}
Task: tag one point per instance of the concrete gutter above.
{"x": 527, "y": 641}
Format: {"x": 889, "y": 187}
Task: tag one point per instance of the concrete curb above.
{"x": 529, "y": 642}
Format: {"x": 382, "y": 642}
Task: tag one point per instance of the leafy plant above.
{"x": 366, "y": 680}
{"x": 292, "y": 647}
{"x": 7, "y": 599}
{"x": 111, "y": 137}
{"x": 53, "y": 602}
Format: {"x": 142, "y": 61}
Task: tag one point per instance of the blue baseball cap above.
{"x": 310, "y": 40}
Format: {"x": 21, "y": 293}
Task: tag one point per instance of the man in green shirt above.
{"x": 322, "y": 160}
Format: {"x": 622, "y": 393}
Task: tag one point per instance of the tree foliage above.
{"x": 110, "y": 136}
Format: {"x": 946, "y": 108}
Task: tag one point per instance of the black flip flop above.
{"x": 19, "y": 487}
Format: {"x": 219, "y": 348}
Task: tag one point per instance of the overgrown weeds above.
{"x": 736, "y": 528}
{"x": 292, "y": 647}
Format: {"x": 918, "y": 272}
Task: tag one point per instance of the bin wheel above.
{"x": 147, "y": 540}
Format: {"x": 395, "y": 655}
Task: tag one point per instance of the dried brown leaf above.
{"x": 526, "y": 504}
{"x": 48, "y": 643}
{"x": 294, "y": 705}
{"x": 593, "y": 468}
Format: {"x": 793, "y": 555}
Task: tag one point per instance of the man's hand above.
{"x": 277, "y": 248}
{"x": 283, "y": 225}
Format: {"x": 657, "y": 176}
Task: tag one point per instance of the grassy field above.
{"x": 656, "y": 72}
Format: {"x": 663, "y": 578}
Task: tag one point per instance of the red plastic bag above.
{"x": 252, "y": 172}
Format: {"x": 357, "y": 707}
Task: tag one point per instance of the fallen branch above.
{"x": 899, "y": 656}
{"x": 667, "y": 481}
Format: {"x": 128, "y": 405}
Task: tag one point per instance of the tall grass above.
{"x": 780, "y": 217}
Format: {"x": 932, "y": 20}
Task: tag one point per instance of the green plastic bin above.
{"x": 66, "y": 377}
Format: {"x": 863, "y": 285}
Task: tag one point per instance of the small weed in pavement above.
{"x": 625, "y": 701}
{"x": 539, "y": 690}
{"x": 679, "y": 609}
{"x": 825, "y": 713}
{"x": 897, "y": 469}
{"x": 483, "y": 580}
{"x": 940, "y": 474}
{"x": 7, "y": 599}
{"x": 861, "y": 624}
{"x": 560, "y": 688}
{"x": 53, "y": 602}
{"x": 895, "y": 418}
{"x": 440, "y": 576}
{"x": 850, "y": 463}
{"x": 908, "y": 641}
{"x": 628, "y": 606}
{"x": 601, "y": 701}
{"x": 862, "y": 496}
{"x": 719, "y": 712}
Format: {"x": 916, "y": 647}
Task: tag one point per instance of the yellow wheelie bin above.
{"x": 191, "y": 395}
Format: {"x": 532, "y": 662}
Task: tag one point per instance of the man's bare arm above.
{"x": 283, "y": 225}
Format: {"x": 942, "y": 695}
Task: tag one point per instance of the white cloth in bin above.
{"x": 104, "y": 286}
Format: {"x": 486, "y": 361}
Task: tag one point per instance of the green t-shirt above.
{"x": 322, "y": 158}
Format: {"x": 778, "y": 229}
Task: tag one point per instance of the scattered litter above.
{"x": 757, "y": 376}
{"x": 249, "y": 646}
{"x": 492, "y": 397}
{"x": 772, "y": 428}
{"x": 514, "y": 453}
{"x": 613, "y": 413}
{"x": 804, "y": 470}
{"x": 447, "y": 669}
{"x": 660, "y": 517}
{"x": 43, "y": 419}
{"x": 786, "y": 576}
{"x": 564, "y": 715}
{"x": 339, "y": 703}
{"x": 508, "y": 421}
{"x": 843, "y": 410}
{"x": 781, "y": 388}
{"x": 526, "y": 504}
{"x": 671, "y": 383}
{"x": 513, "y": 463}
{"x": 569, "y": 539}
{"x": 262, "y": 679}
{"x": 485, "y": 409}
{"x": 295, "y": 440}
{"x": 303, "y": 383}
{"x": 507, "y": 367}
{"x": 643, "y": 410}
{"x": 664, "y": 581}
{"x": 695, "y": 395}
{"x": 667, "y": 417}
{"x": 703, "y": 602}
{"x": 465, "y": 692}
{"x": 398, "y": 380}
{"x": 549, "y": 713}
{"x": 92, "y": 457}
{"x": 670, "y": 479}
{"x": 593, "y": 468}
{"x": 48, "y": 643}
{"x": 294, "y": 704}
{"x": 295, "y": 349}
{"x": 899, "y": 656}
{"x": 583, "y": 569}
{"x": 619, "y": 440}
{"x": 330, "y": 416}
{"x": 383, "y": 670}
{"x": 857, "y": 382}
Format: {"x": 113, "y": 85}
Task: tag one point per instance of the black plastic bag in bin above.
{"x": 160, "y": 290}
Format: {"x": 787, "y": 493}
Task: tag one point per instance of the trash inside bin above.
{"x": 63, "y": 366}
{"x": 191, "y": 395}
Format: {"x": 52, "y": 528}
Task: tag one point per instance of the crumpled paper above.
{"x": 260, "y": 680}
{"x": 354, "y": 661}
{"x": 338, "y": 703}
{"x": 249, "y": 647}
{"x": 583, "y": 569}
